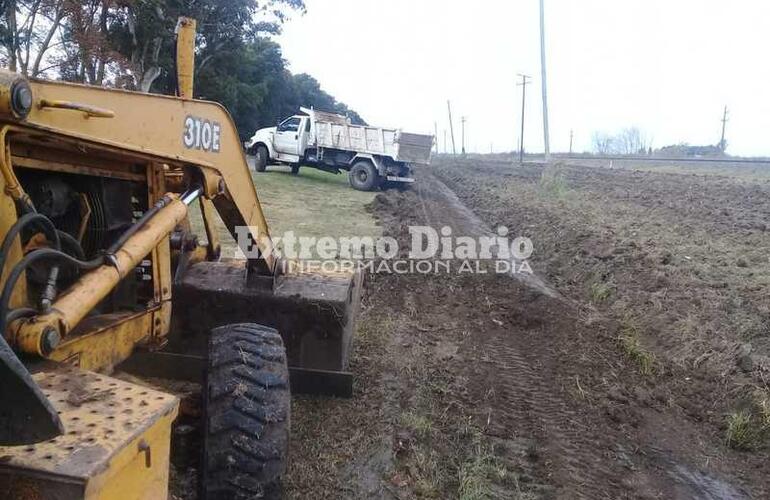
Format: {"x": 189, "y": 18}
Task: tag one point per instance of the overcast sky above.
{"x": 668, "y": 67}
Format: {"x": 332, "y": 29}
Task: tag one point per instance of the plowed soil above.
{"x": 631, "y": 366}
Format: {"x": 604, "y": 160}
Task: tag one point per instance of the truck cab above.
{"x": 284, "y": 143}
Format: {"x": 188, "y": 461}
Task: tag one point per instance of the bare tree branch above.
{"x": 46, "y": 43}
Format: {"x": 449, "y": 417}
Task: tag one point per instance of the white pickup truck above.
{"x": 373, "y": 156}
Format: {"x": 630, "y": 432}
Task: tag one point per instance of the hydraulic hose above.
{"x": 149, "y": 214}
{"x": 68, "y": 242}
{"x": 50, "y": 231}
{"x": 22, "y": 312}
{"x": 53, "y": 235}
{"x": 49, "y": 292}
{"x": 120, "y": 256}
{"x": 31, "y": 258}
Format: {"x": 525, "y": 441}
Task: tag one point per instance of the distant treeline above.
{"x": 130, "y": 44}
{"x": 632, "y": 141}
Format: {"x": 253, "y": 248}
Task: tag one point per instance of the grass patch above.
{"x": 742, "y": 432}
{"x": 420, "y": 425}
{"x": 600, "y": 292}
{"x": 552, "y": 181}
{"x": 478, "y": 474}
{"x": 428, "y": 480}
{"x": 749, "y": 429}
{"x": 313, "y": 204}
{"x": 634, "y": 351}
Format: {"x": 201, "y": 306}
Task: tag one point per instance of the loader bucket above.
{"x": 314, "y": 313}
{"x": 26, "y": 415}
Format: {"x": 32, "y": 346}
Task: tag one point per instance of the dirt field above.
{"x": 645, "y": 380}
{"x": 633, "y": 365}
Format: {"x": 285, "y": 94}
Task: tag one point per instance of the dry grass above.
{"x": 634, "y": 351}
{"x": 600, "y": 292}
{"x": 748, "y": 429}
{"x": 553, "y": 182}
{"x": 741, "y": 431}
{"x": 478, "y": 474}
{"x": 422, "y": 426}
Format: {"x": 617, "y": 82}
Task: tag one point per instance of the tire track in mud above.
{"x": 574, "y": 454}
{"x": 441, "y": 207}
{"x": 523, "y": 393}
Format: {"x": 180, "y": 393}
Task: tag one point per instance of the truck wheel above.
{"x": 262, "y": 155}
{"x": 295, "y": 168}
{"x": 364, "y": 177}
{"x": 246, "y": 414}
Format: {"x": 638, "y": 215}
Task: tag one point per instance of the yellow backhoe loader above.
{"x": 99, "y": 267}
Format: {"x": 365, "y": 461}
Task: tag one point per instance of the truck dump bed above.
{"x": 336, "y": 132}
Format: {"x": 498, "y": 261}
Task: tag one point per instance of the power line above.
{"x": 525, "y": 80}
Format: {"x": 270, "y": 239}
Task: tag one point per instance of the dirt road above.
{"x": 626, "y": 382}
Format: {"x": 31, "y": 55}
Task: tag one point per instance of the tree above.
{"x": 628, "y": 141}
{"x": 223, "y": 28}
{"x": 130, "y": 44}
{"x": 603, "y": 143}
{"x": 308, "y": 93}
{"x": 27, "y": 33}
{"x": 89, "y": 51}
{"x": 632, "y": 141}
{"x": 255, "y": 86}
{"x": 248, "y": 82}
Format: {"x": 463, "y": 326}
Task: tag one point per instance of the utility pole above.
{"x": 463, "y": 120}
{"x": 451, "y": 127}
{"x": 723, "y": 143}
{"x": 446, "y": 150}
{"x": 546, "y": 135}
{"x": 525, "y": 80}
{"x": 571, "y": 137}
{"x": 435, "y": 127}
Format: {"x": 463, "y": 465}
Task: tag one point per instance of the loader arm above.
{"x": 193, "y": 143}
{"x": 180, "y": 133}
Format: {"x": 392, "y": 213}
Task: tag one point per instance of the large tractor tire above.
{"x": 262, "y": 155}
{"x": 247, "y": 414}
{"x": 364, "y": 177}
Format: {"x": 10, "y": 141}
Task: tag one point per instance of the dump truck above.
{"x": 374, "y": 157}
{"x": 100, "y": 270}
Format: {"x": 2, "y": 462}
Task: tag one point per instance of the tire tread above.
{"x": 247, "y": 414}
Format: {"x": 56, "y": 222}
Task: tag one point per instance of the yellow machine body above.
{"x": 115, "y": 446}
{"x": 145, "y": 142}
{"x": 88, "y": 156}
